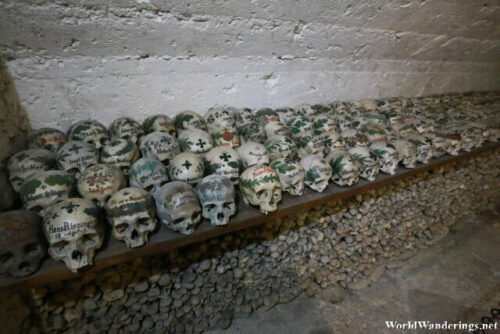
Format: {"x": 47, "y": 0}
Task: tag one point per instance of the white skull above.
{"x": 253, "y": 132}
{"x": 224, "y": 161}
{"x": 260, "y": 186}
{"x": 279, "y": 146}
{"x": 318, "y": 172}
{"x": 353, "y": 137}
{"x": 253, "y": 153}
{"x": 189, "y": 120}
{"x": 226, "y": 137}
{"x": 24, "y": 164}
{"x": 277, "y": 128}
{"x": 178, "y": 207}
{"x": 322, "y": 123}
{"x": 345, "y": 169}
{"x": 21, "y": 247}
{"x": 45, "y": 188}
{"x": 126, "y": 128}
{"x": 374, "y": 133}
{"x": 186, "y": 167}
{"x": 160, "y": 146}
{"x": 46, "y": 138}
{"x": 217, "y": 196}
{"x": 75, "y": 156}
{"x": 74, "y": 232}
{"x": 121, "y": 153}
{"x": 424, "y": 148}
{"x": 131, "y": 214}
{"x": 244, "y": 116}
{"x": 299, "y": 126}
{"x": 291, "y": 175}
{"x": 265, "y": 115}
{"x": 159, "y": 123}
{"x": 99, "y": 182}
{"x": 407, "y": 152}
{"x": 92, "y": 132}
{"x": 285, "y": 113}
{"x": 195, "y": 141}
{"x": 148, "y": 174}
{"x": 216, "y": 118}
{"x": 368, "y": 163}
{"x": 387, "y": 156}
{"x": 331, "y": 141}
{"x": 304, "y": 110}
{"x": 340, "y": 107}
{"x": 343, "y": 122}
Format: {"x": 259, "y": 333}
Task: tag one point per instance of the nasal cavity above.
{"x": 76, "y": 255}
{"x": 220, "y": 216}
{"x": 23, "y": 265}
{"x": 134, "y": 235}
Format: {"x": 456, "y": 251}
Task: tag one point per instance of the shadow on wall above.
{"x": 14, "y": 122}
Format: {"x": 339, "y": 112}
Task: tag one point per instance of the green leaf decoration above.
{"x": 378, "y": 152}
{"x": 336, "y": 164}
{"x": 92, "y": 211}
{"x": 416, "y": 142}
{"x": 255, "y": 182}
{"x": 59, "y": 179}
{"x": 180, "y": 119}
{"x": 43, "y": 160}
{"x": 126, "y": 149}
{"x": 184, "y": 144}
{"x": 312, "y": 174}
{"x": 29, "y": 187}
{"x": 318, "y": 125}
{"x": 233, "y": 164}
{"x": 62, "y": 157}
{"x": 76, "y": 133}
{"x": 213, "y": 167}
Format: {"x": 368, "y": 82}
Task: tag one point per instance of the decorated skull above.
{"x": 99, "y": 182}
{"x": 308, "y": 144}
{"x": 253, "y": 153}
{"x": 226, "y": 137}
{"x": 374, "y": 133}
{"x": 148, "y": 174}
{"x": 331, "y": 141}
{"x": 260, "y": 186}
{"x": 195, "y": 141}
{"x": 131, "y": 214}
{"x": 266, "y": 115}
{"x": 424, "y": 148}
{"x": 387, "y": 156}
{"x": 285, "y": 113}
{"x": 178, "y": 207}
{"x": 353, "y": 137}
{"x": 216, "y": 118}
{"x": 304, "y": 110}
{"x": 277, "y": 128}
{"x": 189, "y": 120}
{"x": 244, "y": 116}
{"x": 224, "y": 161}
{"x": 291, "y": 175}
{"x": 24, "y": 164}
{"x": 322, "y": 108}
{"x": 322, "y": 123}
{"x": 345, "y": 169}
{"x": 74, "y": 232}
{"x": 91, "y": 132}
{"x": 253, "y": 132}
{"x": 299, "y": 126}
{"x": 368, "y": 163}
{"x": 121, "y": 153}
{"x": 75, "y": 156}
{"x": 217, "y": 196}
{"x": 21, "y": 246}
{"x": 46, "y": 138}
{"x": 126, "y": 128}
{"x": 343, "y": 122}
{"x": 159, "y": 123}
{"x": 451, "y": 140}
{"x": 317, "y": 170}
{"x": 160, "y": 146}
{"x": 280, "y": 147}
{"x": 186, "y": 167}
{"x": 407, "y": 152}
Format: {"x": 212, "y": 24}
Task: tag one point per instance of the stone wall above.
{"x": 73, "y": 60}
{"x": 331, "y": 249}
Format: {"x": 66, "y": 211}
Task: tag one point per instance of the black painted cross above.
{"x": 187, "y": 164}
{"x": 75, "y": 148}
{"x": 201, "y": 143}
{"x": 224, "y": 156}
{"x": 70, "y": 207}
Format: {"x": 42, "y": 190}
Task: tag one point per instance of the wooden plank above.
{"x": 164, "y": 240}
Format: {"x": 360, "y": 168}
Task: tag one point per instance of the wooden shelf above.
{"x": 164, "y": 240}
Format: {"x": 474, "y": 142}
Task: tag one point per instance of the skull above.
{"x": 299, "y": 126}
{"x": 280, "y": 147}
{"x": 216, "y": 118}
{"x": 186, "y": 167}
{"x": 45, "y": 188}
{"x": 21, "y": 246}
{"x": 25, "y": 163}
{"x": 322, "y": 124}
{"x": 352, "y": 138}
{"x": 217, "y": 197}
{"x": 224, "y": 161}
{"x": 407, "y": 152}
{"x": 343, "y": 122}
{"x": 291, "y": 175}
{"x": 189, "y": 120}
{"x": 74, "y": 232}
{"x": 195, "y": 141}
{"x": 178, "y": 207}
{"x": 340, "y": 108}
{"x": 451, "y": 141}
{"x": 438, "y": 144}
{"x": 374, "y": 133}
{"x": 253, "y": 132}
{"x": 285, "y": 113}
{"x": 304, "y": 110}
{"x": 387, "y": 156}
{"x": 368, "y": 104}
{"x": 244, "y": 116}
{"x": 148, "y": 174}
{"x": 226, "y": 137}
{"x": 126, "y": 128}
{"x": 345, "y": 169}
{"x": 160, "y": 146}
{"x": 309, "y": 144}
{"x": 121, "y": 153}
{"x": 74, "y": 156}
{"x": 260, "y": 186}
{"x": 47, "y": 138}
{"x": 424, "y": 148}
{"x": 322, "y": 108}
{"x": 266, "y": 115}
{"x": 159, "y": 123}
{"x": 99, "y": 182}
{"x": 92, "y": 132}
{"x": 131, "y": 214}
{"x": 331, "y": 141}
{"x": 317, "y": 170}
{"x": 277, "y": 128}
{"x": 253, "y": 153}
{"x": 368, "y": 163}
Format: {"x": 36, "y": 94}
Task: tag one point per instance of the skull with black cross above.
{"x": 126, "y": 128}
{"x": 224, "y": 161}
{"x": 160, "y": 146}
{"x": 91, "y": 132}
{"x": 195, "y": 141}
{"x": 24, "y": 164}
{"x": 46, "y": 138}
{"x": 74, "y": 156}
{"x": 291, "y": 175}
{"x": 260, "y": 186}
{"x": 99, "y": 182}
{"x": 121, "y": 153}
{"x": 187, "y": 167}
{"x": 217, "y": 197}
{"x": 317, "y": 170}
{"x": 148, "y": 174}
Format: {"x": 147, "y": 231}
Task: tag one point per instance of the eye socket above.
{"x": 178, "y": 221}
{"x": 31, "y": 248}
{"x": 143, "y": 221}
{"x": 103, "y": 140}
{"x": 210, "y": 207}
{"x": 195, "y": 216}
{"x": 73, "y": 171}
{"x": 260, "y": 194}
{"x": 126, "y": 137}
{"x": 149, "y": 188}
{"x": 227, "y": 205}
{"x": 89, "y": 239}
{"x": 120, "y": 228}
{"x": 4, "y": 258}
{"x": 37, "y": 208}
{"x": 60, "y": 244}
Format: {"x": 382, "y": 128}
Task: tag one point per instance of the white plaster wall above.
{"x": 74, "y": 59}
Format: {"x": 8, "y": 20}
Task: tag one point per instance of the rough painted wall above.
{"x": 73, "y": 60}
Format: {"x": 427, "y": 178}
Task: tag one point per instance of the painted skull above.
{"x": 331, "y": 141}
{"x": 24, "y": 164}
{"x": 216, "y": 118}
{"x": 160, "y": 146}
{"x": 244, "y": 116}
{"x": 75, "y": 156}
{"x": 178, "y": 207}
{"x": 299, "y": 126}
{"x": 374, "y": 133}
{"x": 353, "y": 137}
{"x": 451, "y": 141}
{"x": 159, "y": 123}
{"x": 317, "y": 170}
{"x": 226, "y": 137}
{"x": 195, "y": 141}
{"x": 266, "y": 115}
{"x": 260, "y": 186}
{"x": 339, "y": 107}
{"x": 92, "y": 132}
{"x": 121, "y": 153}
{"x": 345, "y": 169}
{"x": 253, "y": 132}
{"x": 291, "y": 175}
{"x": 368, "y": 163}
{"x": 74, "y": 232}
{"x": 131, "y": 214}
{"x": 217, "y": 197}
{"x": 438, "y": 144}
{"x": 322, "y": 108}
{"x": 126, "y": 128}
{"x": 308, "y": 144}
{"x": 46, "y": 138}
{"x": 424, "y": 148}
{"x": 21, "y": 247}
{"x": 277, "y": 128}
{"x": 187, "y": 167}
{"x": 304, "y": 110}
{"x": 148, "y": 174}
{"x": 407, "y": 152}
{"x": 280, "y": 147}
{"x": 285, "y": 113}
{"x": 189, "y": 120}
{"x": 224, "y": 161}
{"x": 387, "y": 156}
{"x": 46, "y": 188}
{"x": 343, "y": 122}
{"x": 253, "y": 153}
{"x": 99, "y": 182}
{"x": 322, "y": 124}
